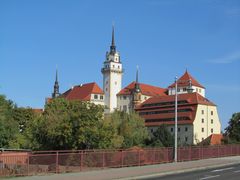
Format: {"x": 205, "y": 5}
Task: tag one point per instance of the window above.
{"x": 202, "y": 129}
{"x": 113, "y": 66}
{"x": 124, "y": 97}
{"x": 118, "y": 67}
{"x": 186, "y": 139}
{"x": 202, "y": 120}
{"x": 186, "y": 129}
{"x": 202, "y": 111}
{"x": 145, "y": 98}
{"x": 106, "y": 82}
{"x": 106, "y": 89}
{"x": 179, "y": 129}
{"x": 178, "y": 90}
{"x": 200, "y": 90}
{"x": 184, "y": 89}
{"x": 171, "y": 129}
{"x": 211, "y": 112}
{"x": 211, "y": 121}
{"x": 115, "y": 82}
{"x": 95, "y": 96}
{"x": 212, "y": 130}
{"x": 101, "y": 97}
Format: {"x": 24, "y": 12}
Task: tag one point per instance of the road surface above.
{"x": 222, "y": 173}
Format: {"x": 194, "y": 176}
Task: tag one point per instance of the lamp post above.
{"x": 189, "y": 90}
{"x": 175, "y": 143}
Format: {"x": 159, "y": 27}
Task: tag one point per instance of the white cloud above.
{"x": 226, "y": 59}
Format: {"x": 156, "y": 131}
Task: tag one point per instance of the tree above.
{"x": 232, "y": 132}
{"x": 162, "y": 137}
{"x": 8, "y": 126}
{"x": 129, "y": 129}
{"x": 71, "y": 125}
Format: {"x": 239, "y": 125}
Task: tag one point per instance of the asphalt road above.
{"x": 222, "y": 173}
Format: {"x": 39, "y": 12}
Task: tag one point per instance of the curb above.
{"x": 178, "y": 171}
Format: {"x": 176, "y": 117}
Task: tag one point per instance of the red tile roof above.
{"x": 213, "y": 139}
{"x": 193, "y": 98}
{"x": 160, "y": 110}
{"x": 38, "y": 110}
{"x": 146, "y": 89}
{"x": 184, "y": 81}
{"x": 82, "y": 92}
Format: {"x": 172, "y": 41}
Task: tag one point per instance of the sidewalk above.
{"x": 140, "y": 171}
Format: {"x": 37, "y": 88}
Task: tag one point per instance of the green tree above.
{"x": 162, "y": 137}
{"x": 71, "y": 125}
{"x": 232, "y": 131}
{"x": 8, "y": 126}
{"x": 129, "y": 129}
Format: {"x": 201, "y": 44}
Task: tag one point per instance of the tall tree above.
{"x": 162, "y": 137}
{"x": 70, "y": 125}
{"x": 129, "y": 129}
{"x": 8, "y": 126}
{"x": 232, "y": 131}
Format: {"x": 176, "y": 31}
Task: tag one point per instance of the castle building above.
{"x": 90, "y": 92}
{"x": 112, "y": 76}
{"x": 197, "y": 116}
{"x": 136, "y": 93}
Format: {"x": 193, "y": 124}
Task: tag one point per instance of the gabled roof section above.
{"x": 184, "y": 81}
{"x": 146, "y": 89}
{"x": 213, "y": 139}
{"x": 190, "y": 98}
{"x": 82, "y": 92}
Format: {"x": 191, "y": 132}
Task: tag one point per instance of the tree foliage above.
{"x": 69, "y": 125}
{"x": 129, "y": 129}
{"x": 162, "y": 137}
{"x": 232, "y": 131}
{"x": 8, "y": 126}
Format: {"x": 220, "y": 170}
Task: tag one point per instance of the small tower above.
{"x": 136, "y": 94}
{"x": 112, "y": 76}
{"x": 56, "y": 87}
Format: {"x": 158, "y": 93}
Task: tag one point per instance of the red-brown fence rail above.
{"x": 43, "y": 162}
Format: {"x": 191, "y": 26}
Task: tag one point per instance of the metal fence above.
{"x": 43, "y": 162}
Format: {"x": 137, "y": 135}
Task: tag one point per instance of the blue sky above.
{"x": 162, "y": 37}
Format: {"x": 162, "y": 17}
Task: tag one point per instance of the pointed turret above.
{"x": 56, "y": 87}
{"x": 113, "y": 47}
{"x": 137, "y": 87}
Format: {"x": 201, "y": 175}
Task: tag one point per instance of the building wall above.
{"x": 185, "y": 133}
{"x": 206, "y": 122}
{"x": 126, "y": 101}
{"x": 97, "y": 99}
{"x": 182, "y": 90}
{"x": 112, "y": 83}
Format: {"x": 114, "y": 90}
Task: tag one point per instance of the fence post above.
{"x": 57, "y": 162}
{"x": 81, "y": 158}
{"x": 190, "y": 153}
{"x": 139, "y": 160}
{"x": 103, "y": 161}
{"x": 28, "y": 164}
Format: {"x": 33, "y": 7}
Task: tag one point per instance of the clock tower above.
{"x": 112, "y": 76}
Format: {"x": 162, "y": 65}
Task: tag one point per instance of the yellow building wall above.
{"x": 206, "y": 123}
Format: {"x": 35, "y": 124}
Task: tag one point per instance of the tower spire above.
{"x": 137, "y": 87}
{"x": 56, "y": 87}
{"x": 113, "y": 47}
